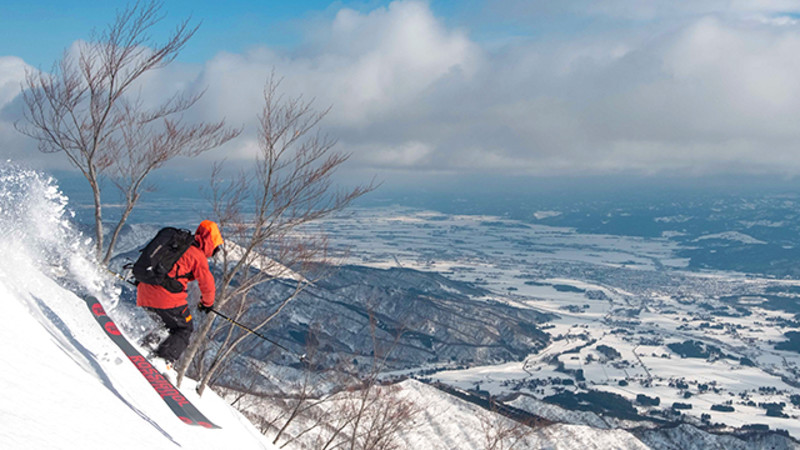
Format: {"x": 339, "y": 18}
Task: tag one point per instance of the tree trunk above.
{"x": 98, "y": 213}
{"x": 115, "y": 235}
{"x": 225, "y": 350}
{"x": 194, "y": 347}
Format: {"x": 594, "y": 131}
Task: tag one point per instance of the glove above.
{"x": 203, "y": 308}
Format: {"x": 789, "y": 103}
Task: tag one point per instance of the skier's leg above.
{"x": 157, "y": 333}
{"x": 151, "y": 340}
{"x": 180, "y": 326}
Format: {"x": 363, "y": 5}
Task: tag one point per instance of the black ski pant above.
{"x": 178, "y": 322}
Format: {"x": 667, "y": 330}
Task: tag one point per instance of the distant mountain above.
{"x": 419, "y": 318}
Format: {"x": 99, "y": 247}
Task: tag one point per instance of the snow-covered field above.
{"x": 632, "y": 295}
{"x": 428, "y": 240}
{"x": 63, "y": 383}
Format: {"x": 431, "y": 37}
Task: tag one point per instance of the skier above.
{"x": 172, "y": 308}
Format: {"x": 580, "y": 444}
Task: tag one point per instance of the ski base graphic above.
{"x": 179, "y": 405}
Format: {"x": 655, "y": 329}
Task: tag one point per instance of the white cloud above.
{"x": 713, "y": 90}
{"x": 408, "y": 154}
{"x": 13, "y": 145}
{"x": 637, "y": 10}
{"x": 12, "y": 74}
{"x": 365, "y": 65}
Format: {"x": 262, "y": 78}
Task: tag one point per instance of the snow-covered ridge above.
{"x": 64, "y": 384}
{"x": 732, "y": 236}
{"x": 539, "y": 215}
{"x": 263, "y": 263}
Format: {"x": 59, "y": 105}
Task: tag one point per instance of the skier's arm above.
{"x": 206, "y": 282}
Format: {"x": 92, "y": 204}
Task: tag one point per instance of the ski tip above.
{"x": 199, "y": 423}
{"x": 209, "y": 425}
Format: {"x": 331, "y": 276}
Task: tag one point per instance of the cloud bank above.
{"x": 661, "y": 88}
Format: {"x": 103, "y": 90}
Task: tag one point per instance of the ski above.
{"x": 179, "y": 404}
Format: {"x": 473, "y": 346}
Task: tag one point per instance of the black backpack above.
{"x": 158, "y": 257}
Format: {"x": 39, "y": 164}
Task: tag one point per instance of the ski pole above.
{"x": 120, "y": 276}
{"x": 302, "y": 357}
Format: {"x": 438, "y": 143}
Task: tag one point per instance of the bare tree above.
{"x": 264, "y": 213}
{"x": 305, "y": 399}
{"x": 90, "y": 108}
{"x": 369, "y": 414}
{"x": 362, "y": 412}
{"x": 293, "y": 408}
{"x": 370, "y": 418}
{"x": 503, "y": 433}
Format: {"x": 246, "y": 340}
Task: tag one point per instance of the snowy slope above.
{"x": 63, "y": 383}
{"x": 443, "y": 422}
{"x": 448, "y": 422}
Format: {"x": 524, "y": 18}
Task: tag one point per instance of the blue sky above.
{"x": 476, "y": 88}
{"x": 231, "y": 26}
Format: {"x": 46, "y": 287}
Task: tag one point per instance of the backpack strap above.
{"x": 187, "y": 275}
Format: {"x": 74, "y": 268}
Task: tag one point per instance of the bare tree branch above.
{"x": 87, "y": 109}
{"x": 263, "y": 212}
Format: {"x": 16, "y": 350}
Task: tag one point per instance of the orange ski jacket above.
{"x": 193, "y": 265}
